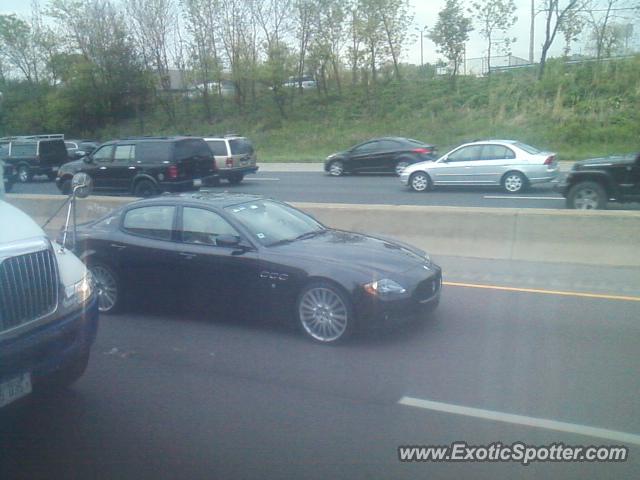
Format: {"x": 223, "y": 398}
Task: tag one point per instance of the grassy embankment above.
{"x": 578, "y": 111}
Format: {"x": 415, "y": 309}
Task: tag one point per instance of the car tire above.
{"x": 336, "y": 168}
{"x": 324, "y": 313}
{"x": 145, "y": 188}
{"x": 514, "y": 182}
{"x": 8, "y": 186}
{"x": 419, "y": 182}
{"x": 24, "y": 173}
{"x": 108, "y": 287}
{"x": 400, "y": 166}
{"x": 235, "y": 179}
{"x": 587, "y": 196}
{"x": 52, "y": 176}
{"x": 65, "y": 186}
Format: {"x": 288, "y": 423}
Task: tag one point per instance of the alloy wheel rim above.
{"x": 586, "y": 199}
{"x": 513, "y": 183}
{"x": 323, "y": 314}
{"x": 400, "y": 167}
{"x": 419, "y": 182}
{"x": 336, "y": 169}
{"x": 106, "y": 288}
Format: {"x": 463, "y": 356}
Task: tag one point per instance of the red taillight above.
{"x": 229, "y": 162}
{"x": 172, "y": 172}
{"x": 550, "y": 159}
{"x": 421, "y": 150}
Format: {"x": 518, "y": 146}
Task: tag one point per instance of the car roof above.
{"x": 225, "y": 137}
{"x": 211, "y": 199}
{"x": 491, "y": 140}
{"x": 155, "y": 139}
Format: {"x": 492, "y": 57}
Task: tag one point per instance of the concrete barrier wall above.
{"x": 566, "y": 236}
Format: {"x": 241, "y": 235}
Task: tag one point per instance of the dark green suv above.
{"x": 145, "y": 166}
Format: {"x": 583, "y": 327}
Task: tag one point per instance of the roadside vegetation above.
{"x": 580, "y": 111}
{"x": 106, "y": 69}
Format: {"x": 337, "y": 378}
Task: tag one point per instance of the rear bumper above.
{"x": 44, "y": 350}
{"x": 226, "y": 173}
{"x": 542, "y": 174}
{"x": 187, "y": 185}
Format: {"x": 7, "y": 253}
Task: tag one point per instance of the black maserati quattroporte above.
{"x": 250, "y": 255}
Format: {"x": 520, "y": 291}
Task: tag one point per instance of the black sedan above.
{"x": 379, "y": 155}
{"x": 247, "y": 255}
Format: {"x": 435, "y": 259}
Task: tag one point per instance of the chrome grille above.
{"x": 28, "y": 288}
{"x": 428, "y": 288}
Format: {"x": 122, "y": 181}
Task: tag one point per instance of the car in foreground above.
{"x": 510, "y": 164}
{"x": 145, "y": 166}
{"x": 34, "y": 155}
{"x": 251, "y": 256}
{"x": 592, "y": 183}
{"x": 48, "y": 310}
{"x": 379, "y": 155}
{"x": 235, "y": 157}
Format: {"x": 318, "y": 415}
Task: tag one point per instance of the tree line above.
{"x": 81, "y": 64}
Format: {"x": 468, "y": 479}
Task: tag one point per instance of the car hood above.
{"x": 605, "y": 161}
{"x": 73, "y": 166}
{"x": 356, "y": 251}
{"x": 336, "y": 155}
{"x": 22, "y": 226}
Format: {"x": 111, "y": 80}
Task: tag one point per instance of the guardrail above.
{"x": 565, "y": 236}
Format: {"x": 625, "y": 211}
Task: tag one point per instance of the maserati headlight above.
{"x": 384, "y": 287}
{"x": 79, "y": 293}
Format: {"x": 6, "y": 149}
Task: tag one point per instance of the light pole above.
{"x": 422, "y": 31}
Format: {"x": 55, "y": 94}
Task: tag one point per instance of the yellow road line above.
{"x": 547, "y": 292}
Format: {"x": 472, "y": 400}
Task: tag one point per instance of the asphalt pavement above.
{"x": 172, "y": 394}
{"x": 310, "y": 185}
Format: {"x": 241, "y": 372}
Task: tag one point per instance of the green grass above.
{"x": 578, "y": 112}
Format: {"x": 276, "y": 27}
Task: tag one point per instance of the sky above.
{"x": 425, "y": 15}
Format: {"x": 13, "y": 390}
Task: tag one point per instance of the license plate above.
{"x": 54, "y": 169}
{"x": 197, "y": 182}
{"x": 244, "y": 162}
{"x": 14, "y": 388}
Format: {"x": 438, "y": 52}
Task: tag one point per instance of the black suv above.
{"x": 34, "y": 155}
{"x": 145, "y": 166}
{"x": 592, "y": 183}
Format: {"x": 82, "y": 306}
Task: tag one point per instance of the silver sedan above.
{"x": 508, "y": 163}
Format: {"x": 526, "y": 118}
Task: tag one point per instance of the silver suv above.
{"x": 234, "y": 156}
{"x": 511, "y": 164}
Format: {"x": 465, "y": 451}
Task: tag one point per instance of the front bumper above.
{"x": 49, "y": 347}
{"x": 404, "y": 178}
{"x": 422, "y": 298}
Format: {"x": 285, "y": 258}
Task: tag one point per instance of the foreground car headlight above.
{"x": 384, "y": 287}
{"x": 79, "y": 293}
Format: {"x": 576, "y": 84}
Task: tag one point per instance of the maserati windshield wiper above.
{"x": 302, "y": 236}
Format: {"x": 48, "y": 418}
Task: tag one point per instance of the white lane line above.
{"x": 614, "y": 435}
{"x": 521, "y": 198}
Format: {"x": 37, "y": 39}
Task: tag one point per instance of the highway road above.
{"x": 313, "y": 186}
{"x": 170, "y": 394}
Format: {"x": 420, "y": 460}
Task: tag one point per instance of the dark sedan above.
{"x": 379, "y": 155}
{"x": 247, "y": 255}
